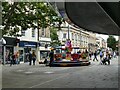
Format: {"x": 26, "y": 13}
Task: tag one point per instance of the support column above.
{"x": 119, "y": 46}
{"x": 38, "y": 45}
{"x": 68, "y": 31}
{"x": 4, "y": 54}
{"x": 38, "y": 53}
{"x": 4, "y": 50}
{"x": 119, "y": 62}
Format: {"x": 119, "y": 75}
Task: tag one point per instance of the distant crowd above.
{"x": 105, "y": 56}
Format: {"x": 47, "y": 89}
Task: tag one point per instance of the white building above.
{"x": 101, "y": 42}
{"x": 92, "y": 42}
{"x": 78, "y": 37}
{"x": 29, "y": 42}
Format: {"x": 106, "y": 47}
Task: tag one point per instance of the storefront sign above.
{"x": 27, "y": 44}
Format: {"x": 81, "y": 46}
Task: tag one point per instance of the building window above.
{"x": 43, "y": 32}
{"x": 76, "y": 37}
{"x": 23, "y": 32}
{"x": 80, "y": 38}
{"x": 72, "y": 36}
{"x": 64, "y": 35}
{"x": 33, "y": 32}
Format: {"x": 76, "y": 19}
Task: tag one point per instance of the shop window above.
{"x": 21, "y": 58}
{"x": 44, "y": 54}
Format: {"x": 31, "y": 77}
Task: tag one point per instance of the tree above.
{"x": 117, "y": 45}
{"x": 23, "y": 15}
{"x": 54, "y": 37}
{"x": 111, "y": 42}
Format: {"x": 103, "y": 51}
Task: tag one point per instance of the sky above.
{"x": 105, "y": 36}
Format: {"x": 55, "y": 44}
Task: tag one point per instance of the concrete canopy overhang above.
{"x": 91, "y": 16}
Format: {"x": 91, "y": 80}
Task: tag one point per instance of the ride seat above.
{"x": 58, "y": 56}
{"x": 75, "y": 56}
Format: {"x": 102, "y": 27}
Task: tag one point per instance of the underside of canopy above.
{"x": 102, "y": 17}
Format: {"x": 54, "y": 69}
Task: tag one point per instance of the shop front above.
{"x": 24, "y": 48}
{"x": 9, "y": 48}
{"x": 44, "y": 53}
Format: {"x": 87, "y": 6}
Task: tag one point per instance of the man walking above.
{"x": 51, "y": 55}
{"x": 30, "y": 58}
{"x": 101, "y": 55}
{"x": 90, "y": 54}
{"x": 95, "y": 56}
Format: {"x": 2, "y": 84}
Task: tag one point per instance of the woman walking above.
{"x": 34, "y": 58}
{"x": 17, "y": 57}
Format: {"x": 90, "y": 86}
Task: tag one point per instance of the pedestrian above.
{"x": 17, "y": 57}
{"x": 107, "y": 59}
{"x": 79, "y": 52}
{"x": 101, "y": 55}
{"x": 111, "y": 54}
{"x": 11, "y": 59}
{"x": 90, "y": 54}
{"x": 30, "y": 58}
{"x": 34, "y": 58}
{"x": 46, "y": 58}
{"x": 45, "y": 61}
{"x": 95, "y": 56}
{"x": 51, "y": 55}
{"x": 117, "y": 53}
{"x": 86, "y": 51}
{"x": 114, "y": 54}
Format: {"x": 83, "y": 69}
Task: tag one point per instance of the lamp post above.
{"x": 4, "y": 49}
{"x": 68, "y": 31}
{"x": 1, "y": 51}
{"x": 38, "y": 40}
{"x": 38, "y": 44}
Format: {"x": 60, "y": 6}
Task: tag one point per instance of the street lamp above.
{"x": 68, "y": 31}
{"x": 3, "y": 41}
{"x": 38, "y": 35}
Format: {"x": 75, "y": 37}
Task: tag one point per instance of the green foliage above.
{"x": 23, "y": 15}
{"x": 111, "y": 42}
{"x": 54, "y": 37}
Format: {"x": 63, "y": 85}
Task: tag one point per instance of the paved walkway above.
{"x": 93, "y": 76}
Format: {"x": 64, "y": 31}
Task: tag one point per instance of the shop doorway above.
{"x": 26, "y": 54}
{"x": 21, "y": 56}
